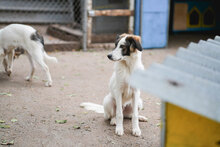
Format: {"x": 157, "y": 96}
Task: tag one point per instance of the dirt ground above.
{"x": 78, "y": 77}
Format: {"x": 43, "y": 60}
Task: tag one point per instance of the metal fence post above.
{"x": 84, "y": 22}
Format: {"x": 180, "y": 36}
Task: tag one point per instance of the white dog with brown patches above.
{"x": 23, "y": 36}
{"x": 123, "y": 101}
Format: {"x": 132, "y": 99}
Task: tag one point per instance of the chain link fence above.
{"x": 60, "y": 21}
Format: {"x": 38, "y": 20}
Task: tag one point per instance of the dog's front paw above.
{"x": 113, "y": 121}
{"x": 119, "y": 131}
{"x": 48, "y": 84}
{"x": 9, "y": 72}
{"x": 136, "y": 132}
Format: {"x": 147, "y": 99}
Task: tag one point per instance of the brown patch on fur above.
{"x": 18, "y": 52}
{"x": 132, "y": 49}
{"x": 137, "y": 38}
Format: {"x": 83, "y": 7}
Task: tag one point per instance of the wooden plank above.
{"x": 64, "y": 33}
{"x": 68, "y": 30}
{"x": 63, "y": 46}
{"x": 114, "y": 12}
{"x": 103, "y": 38}
{"x": 102, "y": 45}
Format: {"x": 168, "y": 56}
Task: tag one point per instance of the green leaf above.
{"x": 158, "y": 104}
{"x": 158, "y": 124}
{"x": 14, "y": 120}
{"x": 2, "y": 121}
{"x": 11, "y": 142}
{"x": 66, "y": 84}
{"x": 5, "y": 93}
{"x": 57, "y": 109}
{"x": 76, "y": 127}
{"x": 61, "y": 121}
{"x": 71, "y": 95}
{"x": 5, "y": 126}
{"x": 5, "y": 142}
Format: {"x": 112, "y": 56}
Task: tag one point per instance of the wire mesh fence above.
{"x": 60, "y": 21}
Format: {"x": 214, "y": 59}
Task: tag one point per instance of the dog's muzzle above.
{"x": 109, "y": 56}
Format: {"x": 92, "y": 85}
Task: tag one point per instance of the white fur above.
{"x": 116, "y": 53}
{"x": 123, "y": 101}
{"x": 94, "y": 107}
{"x": 18, "y": 35}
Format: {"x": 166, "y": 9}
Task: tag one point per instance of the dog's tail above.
{"x": 53, "y": 59}
{"x": 92, "y": 106}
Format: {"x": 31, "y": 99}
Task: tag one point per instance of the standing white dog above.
{"x": 123, "y": 101}
{"x": 23, "y": 36}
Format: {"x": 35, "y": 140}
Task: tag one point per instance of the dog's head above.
{"x": 125, "y": 46}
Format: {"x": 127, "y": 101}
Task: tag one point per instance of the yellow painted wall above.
{"x": 187, "y": 129}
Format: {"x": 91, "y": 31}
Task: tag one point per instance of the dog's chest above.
{"x": 127, "y": 93}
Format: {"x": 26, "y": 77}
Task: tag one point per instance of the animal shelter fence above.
{"x": 72, "y": 24}
{"x": 60, "y": 21}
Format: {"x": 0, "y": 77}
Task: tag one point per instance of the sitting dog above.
{"x": 123, "y": 101}
{"x": 23, "y": 37}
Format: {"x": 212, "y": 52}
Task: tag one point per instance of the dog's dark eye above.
{"x": 122, "y": 46}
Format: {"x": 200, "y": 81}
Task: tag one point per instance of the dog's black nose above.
{"x": 109, "y": 56}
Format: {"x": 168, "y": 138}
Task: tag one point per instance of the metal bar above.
{"x": 137, "y": 17}
{"x": 131, "y": 18}
{"x": 163, "y": 120}
{"x": 89, "y": 23}
{"x": 84, "y": 23}
{"x": 115, "y": 12}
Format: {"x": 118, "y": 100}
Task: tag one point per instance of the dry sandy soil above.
{"x": 78, "y": 77}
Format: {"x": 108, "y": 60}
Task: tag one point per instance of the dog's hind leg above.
{"x": 37, "y": 55}
{"x": 5, "y": 64}
{"x": 30, "y": 76}
{"x": 109, "y": 107}
{"x": 128, "y": 111}
{"x": 2, "y": 55}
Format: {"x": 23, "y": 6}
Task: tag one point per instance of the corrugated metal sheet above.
{"x": 191, "y": 79}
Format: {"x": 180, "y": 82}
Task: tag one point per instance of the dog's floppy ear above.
{"x": 135, "y": 41}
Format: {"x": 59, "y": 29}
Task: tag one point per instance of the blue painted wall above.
{"x": 153, "y": 26}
